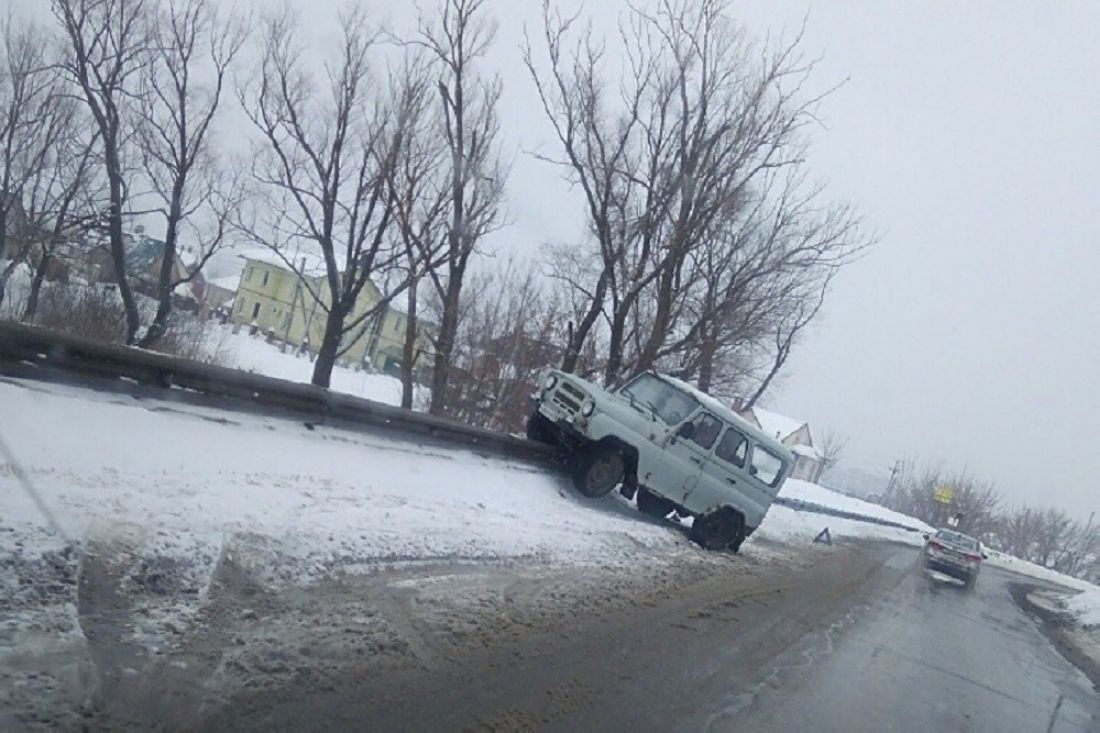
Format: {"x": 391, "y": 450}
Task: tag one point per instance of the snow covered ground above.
{"x": 173, "y": 518}
{"x": 1030, "y": 569}
{"x": 1085, "y": 607}
{"x": 254, "y": 354}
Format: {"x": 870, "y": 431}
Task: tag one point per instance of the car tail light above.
{"x": 935, "y": 545}
{"x": 974, "y": 558}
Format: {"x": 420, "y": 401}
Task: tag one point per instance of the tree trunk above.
{"x": 167, "y": 266}
{"x": 448, "y": 332}
{"x": 708, "y": 348}
{"x": 409, "y": 353}
{"x": 36, "y": 287}
{"x": 330, "y": 348}
{"x": 614, "y": 365}
{"x": 3, "y": 249}
{"x": 118, "y": 245}
{"x": 580, "y": 334}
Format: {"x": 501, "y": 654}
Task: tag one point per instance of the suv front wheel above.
{"x": 598, "y": 470}
{"x": 540, "y": 429}
{"x": 718, "y": 530}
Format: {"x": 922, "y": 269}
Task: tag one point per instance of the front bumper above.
{"x": 570, "y": 427}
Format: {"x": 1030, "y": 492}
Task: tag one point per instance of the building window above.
{"x": 275, "y": 309}
{"x": 255, "y": 310}
{"x": 267, "y": 276}
{"x": 240, "y": 305}
{"x": 247, "y": 273}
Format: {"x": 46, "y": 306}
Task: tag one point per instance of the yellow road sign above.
{"x": 943, "y": 494}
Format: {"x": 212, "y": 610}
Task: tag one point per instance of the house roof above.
{"x": 229, "y": 282}
{"x": 807, "y": 450}
{"x": 314, "y": 263}
{"x": 775, "y": 424}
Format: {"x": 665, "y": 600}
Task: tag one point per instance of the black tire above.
{"x": 653, "y": 505}
{"x": 540, "y": 429}
{"x": 599, "y": 470}
{"x": 719, "y": 530}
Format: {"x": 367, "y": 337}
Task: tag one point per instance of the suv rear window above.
{"x": 732, "y": 448}
{"x": 955, "y": 538}
{"x": 766, "y": 466}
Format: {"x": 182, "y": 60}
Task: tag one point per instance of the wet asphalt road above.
{"x": 863, "y": 640}
{"x": 929, "y": 656}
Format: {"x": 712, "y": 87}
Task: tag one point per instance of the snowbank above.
{"x": 1030, "y": 569}
{"x": 189, "y": 477}
{"x": 1086, "y": 607}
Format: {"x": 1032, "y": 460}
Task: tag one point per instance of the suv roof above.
{"x": 727, "y": 414}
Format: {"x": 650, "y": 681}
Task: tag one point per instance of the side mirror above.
{"x": 925, "y": 536}
{"x": 686, "y": 430}
{"x": 985, "y": 556}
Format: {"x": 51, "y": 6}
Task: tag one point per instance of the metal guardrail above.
{"x": 808, "y": 506}
{"x": 31, "y": 352}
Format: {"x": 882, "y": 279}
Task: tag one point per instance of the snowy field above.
{"x": 253, "y": 354}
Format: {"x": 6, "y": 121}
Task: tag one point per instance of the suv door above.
{"x": 674, "y": 471}
{"x": 723, "y": 479}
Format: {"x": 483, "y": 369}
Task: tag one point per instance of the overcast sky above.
{"x": 969, "y": 136}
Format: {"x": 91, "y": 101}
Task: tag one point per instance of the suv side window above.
{"x": 707, "y": 428}
{"x": 733, "y": 448}
{"x": 766, "y": 466}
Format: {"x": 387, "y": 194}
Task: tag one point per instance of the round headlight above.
{"x": 588, "y": 408}
{"x": 549, "y": 382}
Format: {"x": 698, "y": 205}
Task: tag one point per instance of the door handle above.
{"x": 697, "y": 461}
{"x": 731, "y": 480}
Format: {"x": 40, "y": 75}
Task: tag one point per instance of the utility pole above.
{"x": 895, "y": 471}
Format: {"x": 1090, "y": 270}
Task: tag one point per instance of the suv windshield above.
{"x": 667, "y": 402}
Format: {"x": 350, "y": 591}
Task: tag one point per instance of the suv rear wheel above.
{"x": 718, "y": 530}
{"x": 599, "y": 470}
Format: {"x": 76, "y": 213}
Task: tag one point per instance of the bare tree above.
{"x": 107, "y": 51}
{"x": 706, "y": 238}
{"x": 421, "y": 196}
{"x": 785, "y": 333}
{"x": 832, "y": 448}
{"x": 457, "y": 38}
{"x": 32, "y": 122}
{"x": 323, "y": 173}
{"x": 510, "y": 326}
{"x": 192, "y": 49}
{"x": 62, "y": 200}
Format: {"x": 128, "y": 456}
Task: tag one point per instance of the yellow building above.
{"x": 275, "y": 299}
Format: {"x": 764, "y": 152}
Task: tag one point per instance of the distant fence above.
{"x": 36, "y": 353}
